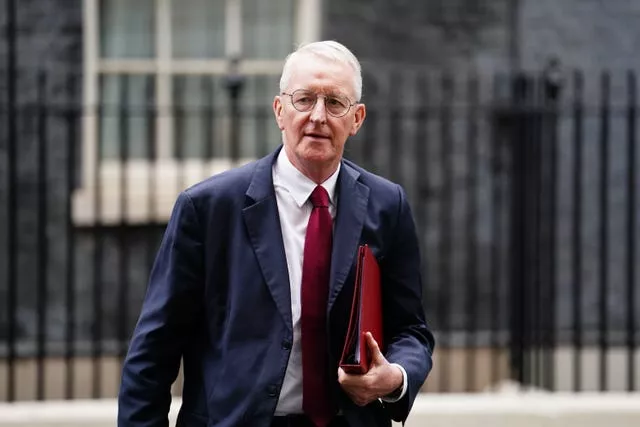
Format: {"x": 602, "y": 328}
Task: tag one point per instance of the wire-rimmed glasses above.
{"x": 305, "y": 100}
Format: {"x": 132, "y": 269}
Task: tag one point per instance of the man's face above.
{"x": 315, "y": 139}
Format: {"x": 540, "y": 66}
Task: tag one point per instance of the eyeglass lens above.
{"x": 305, "y": 100}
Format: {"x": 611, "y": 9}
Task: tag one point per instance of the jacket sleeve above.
{"x": 172, "y": 302}
{"x": 410, "y": 342}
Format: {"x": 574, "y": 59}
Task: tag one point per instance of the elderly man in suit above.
{"x": 253, "y": 282}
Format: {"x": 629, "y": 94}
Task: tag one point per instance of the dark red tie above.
{"x": 316, "y": 264}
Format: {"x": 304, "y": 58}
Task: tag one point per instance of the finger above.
{"x": 342, "y": 375}
{"x": 376, "y": 355}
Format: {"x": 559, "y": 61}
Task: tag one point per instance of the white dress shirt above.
{"x": 292, "y": 190}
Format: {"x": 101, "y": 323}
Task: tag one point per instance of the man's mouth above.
{"x": 316, "y": 135}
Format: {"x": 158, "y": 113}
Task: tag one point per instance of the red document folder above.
{"x": 366, "y": 314}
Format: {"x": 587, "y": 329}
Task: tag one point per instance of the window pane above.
{"x": 259, "y": 133}
{"x": 203, "y": 120}
{"x": 199, "y": 129}
{"x": 268, "y": 28}
{"x": 126, "y": 115}
{"x": 198, "y": 28}
{"x": 127, "y": 28}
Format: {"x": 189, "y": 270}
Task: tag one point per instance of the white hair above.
{"x": 330, "y": 50}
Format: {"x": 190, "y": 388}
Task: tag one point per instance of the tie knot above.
{"x": 320, "y": 197}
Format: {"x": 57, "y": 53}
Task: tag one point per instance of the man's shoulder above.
{"x": 229, "y": 183}
{"x": 375, "y": 182}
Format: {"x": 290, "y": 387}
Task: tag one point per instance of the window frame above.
{"x": 142, "y": 207}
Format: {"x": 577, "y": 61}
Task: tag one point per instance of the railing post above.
{"x": 72, "y": 114}
{"x": 42, "y": 252}
{"x": 553, "y": 83}
{"x": 11, "y": 158}
{"x": 603, "y": 228}
{"x": 521, "y": 211}
{"x": 234, "y": 83}
{"x": 631, "y": 223}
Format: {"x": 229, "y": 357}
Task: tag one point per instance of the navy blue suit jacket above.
{"x": 219, "y": 298}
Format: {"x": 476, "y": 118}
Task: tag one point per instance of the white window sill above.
{"x": 150, "y": 190}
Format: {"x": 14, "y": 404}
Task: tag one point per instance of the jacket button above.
{"x": 286, "y": 344}
{"x": 272, "y": 390}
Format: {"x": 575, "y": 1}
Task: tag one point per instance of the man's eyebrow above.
{"x": 329, "y": 92}
{"x": 335, "y": 94}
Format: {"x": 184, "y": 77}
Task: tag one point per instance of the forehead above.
{"x": 321, "y": 75}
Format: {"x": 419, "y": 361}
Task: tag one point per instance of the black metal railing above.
{"x": 524, "y": 191}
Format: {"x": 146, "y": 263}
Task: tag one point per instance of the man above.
{"x": 253, "y": 282}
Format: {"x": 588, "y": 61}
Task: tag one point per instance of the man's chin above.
{"x": 317, "y": 150}
{"x": 320, "y": 157}
{"x": 316, "y": 141}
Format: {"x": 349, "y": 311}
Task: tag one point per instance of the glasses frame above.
{"x": 290, "y": 95}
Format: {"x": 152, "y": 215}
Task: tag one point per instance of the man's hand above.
{"x": 382, "y": 379}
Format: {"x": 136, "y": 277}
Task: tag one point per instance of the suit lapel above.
{"x": 353, "y": 197}
{"x": 263, "y": 225}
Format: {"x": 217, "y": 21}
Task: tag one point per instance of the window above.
{"x": 157, "y": 102}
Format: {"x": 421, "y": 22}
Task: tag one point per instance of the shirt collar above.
{"x": 298, "y": 185}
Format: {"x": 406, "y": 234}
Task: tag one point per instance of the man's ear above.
{"x": 277, "y": 111}
{"x": 361, "y": 113}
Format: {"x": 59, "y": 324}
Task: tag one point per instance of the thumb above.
{"x": 376, "y": 355}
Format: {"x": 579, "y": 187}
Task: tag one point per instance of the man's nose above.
{"x": 319, "y": 112}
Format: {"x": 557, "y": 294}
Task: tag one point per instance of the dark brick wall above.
{"x": 50, "y": 32}
{"x": 589, "y": 34}
{"x": 437, "y": 33}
